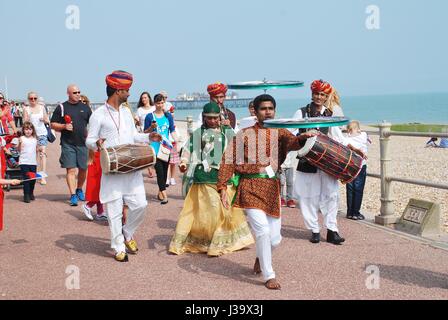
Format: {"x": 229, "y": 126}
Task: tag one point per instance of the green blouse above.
{"x": 206, "y": 147}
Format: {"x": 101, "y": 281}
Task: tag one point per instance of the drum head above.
{"x": 265, "y": 84}
{"x": 105, "y": 161}
{"x": 307, "y": 147}
{"x": 306, "y": 123}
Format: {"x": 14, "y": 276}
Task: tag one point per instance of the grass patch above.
{"x": 419, "y": 127}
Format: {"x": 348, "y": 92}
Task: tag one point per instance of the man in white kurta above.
{"x": 111, "y": 125}
{"x": 319, "y": 191}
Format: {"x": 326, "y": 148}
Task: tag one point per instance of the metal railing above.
{"x": 387, "y": 216}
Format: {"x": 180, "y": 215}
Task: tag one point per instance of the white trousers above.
{"x": 137, "y": 205}
{"x": 267, "y": 237}
{"x": 311, "y": 206}
{"x": 317, "y": 192}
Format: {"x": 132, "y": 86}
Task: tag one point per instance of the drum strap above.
{"x": 348, "y": 162}
{"x": 113, "y": 120}
{"x": 310, "y": 112}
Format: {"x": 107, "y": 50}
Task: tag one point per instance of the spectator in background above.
{"x": 174, "y": 157}
{"x": 144, "y": 106}
{"x": 162, "y": 123}
{"x": 431, "y": 143}
{"x": 6, "y": 117}
{"x": 168, "y": 105}
{"x": 355, "y": 189}
{"x": 287, "y": 172}
{"x": 18, "y": 115}
{"x": 71, "y": 119}
{"x": 333, "y": 104}
{"x": 41, "y": 102}
{"x": 86, "y": 101}
{"x": 37, "y": 115}
{"x": 248, "y": 121}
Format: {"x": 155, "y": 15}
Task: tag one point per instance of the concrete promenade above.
{"x": 45, "y": 241}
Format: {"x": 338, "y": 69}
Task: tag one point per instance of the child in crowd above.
{"x": 12, "y": 153}
{"x": 355, "y": 189}
{"x": 28, "y": 159}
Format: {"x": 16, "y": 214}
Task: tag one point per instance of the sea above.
{"x": 428, "y": 108}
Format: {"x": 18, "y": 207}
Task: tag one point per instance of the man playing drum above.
{"x": 315, "y": 189}
{"x": 112, "y": 125}
{"x": 255, "y": 155}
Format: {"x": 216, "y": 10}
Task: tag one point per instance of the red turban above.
{"x": 216, "y": 88}
{"x": 321, "y": 86}
{"x": 119, "y": 80}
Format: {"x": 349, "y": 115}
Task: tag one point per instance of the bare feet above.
{"x": 257, "y": 269}
{"x": 272, "y": 284}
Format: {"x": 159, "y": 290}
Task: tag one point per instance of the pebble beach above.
{"x": 410, "y": 159}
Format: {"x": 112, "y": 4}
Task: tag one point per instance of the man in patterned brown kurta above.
{"x": 255, "y": 156}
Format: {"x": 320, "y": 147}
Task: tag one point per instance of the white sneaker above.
{"x": 87, "y": 212}
{"x": 173, "y": 182}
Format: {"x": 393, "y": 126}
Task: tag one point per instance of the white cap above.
{"x": 15, "y": 141}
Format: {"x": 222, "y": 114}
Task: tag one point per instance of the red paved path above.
{"x": 43, "y": 238}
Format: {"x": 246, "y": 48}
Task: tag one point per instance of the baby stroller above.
{"x": 12, "y": 161}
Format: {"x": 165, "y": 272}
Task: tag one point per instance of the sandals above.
{"x": 272, "y": 284}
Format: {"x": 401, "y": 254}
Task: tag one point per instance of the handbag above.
{"x": 50, "y": 136}
{"x": 164, "y": 153}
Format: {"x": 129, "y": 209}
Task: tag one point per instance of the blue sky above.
{"x": 181, "y": 46}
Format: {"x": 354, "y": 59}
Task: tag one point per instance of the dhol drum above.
{"x": 127, "y": 158}
{"x": 332, "y": 157}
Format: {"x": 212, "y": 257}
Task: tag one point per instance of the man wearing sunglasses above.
{"x": 6, "y": 117}
{"x": 71, "y": 119}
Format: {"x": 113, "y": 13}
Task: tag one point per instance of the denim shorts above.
{"x": 42, "y": 141}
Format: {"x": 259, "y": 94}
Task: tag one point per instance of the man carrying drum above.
{"x": 112, "y": 125}
{"x": 315, "y": 189}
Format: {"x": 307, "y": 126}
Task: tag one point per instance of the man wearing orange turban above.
{"x": 112, "y": 125}
{"x": 315, "y": 189}
{"x": 217, "y": 92}
{"x": 119, "y": 80}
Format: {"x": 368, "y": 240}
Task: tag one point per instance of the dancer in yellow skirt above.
{"x": 204, "y": 224}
